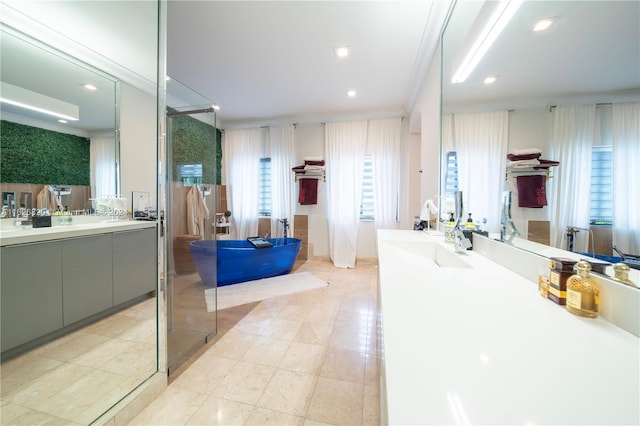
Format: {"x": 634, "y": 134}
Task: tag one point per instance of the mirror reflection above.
{"x": 549, "y": 114}
{"x": 58, "y": 128}
{"x": 72, "y": 347}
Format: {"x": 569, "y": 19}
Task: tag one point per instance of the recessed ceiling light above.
{"x": 490, "y": 80}
{"x": 342, "y": 51}
{"x": 215, "y": 107}
{"x": 351, "y": 93}
{"x": 62, "y": 121}
{"x": 542, "y": 24}
{"x": 167, "y": 78}
{"x": 90, "y": 86}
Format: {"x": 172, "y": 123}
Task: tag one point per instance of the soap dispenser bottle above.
{"x": 583, "y": 292}
{"x": 470, "y": 225}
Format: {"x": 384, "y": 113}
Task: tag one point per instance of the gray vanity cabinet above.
{"x": 31, "y": 291}
{"x": 87, "y": 276}
{"x": 134, "y": 264}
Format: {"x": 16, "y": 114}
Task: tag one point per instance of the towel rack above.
{"x": 310, "y": 175}
{"x": 529, "y": 171}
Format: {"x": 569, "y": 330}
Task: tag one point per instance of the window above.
{"x": 451, "y": 173}
{"x": 264, "y": 200}
{"x": 367, "y": 201}
{"x": 601, "y": 192}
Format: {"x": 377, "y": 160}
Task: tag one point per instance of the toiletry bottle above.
{"x": 449, "y": 237}
{"x": 470, "y": 226}
{"x": 622, "y": 274}
{"x": 583, "y": 292}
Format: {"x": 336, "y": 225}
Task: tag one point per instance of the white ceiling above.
{"x": 275, "y": 60}
{"x": 268, "y": 60}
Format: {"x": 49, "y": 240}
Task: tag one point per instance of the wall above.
{"x": 425, "y": 120}
{"x": 529, "y": 128}
{"x": 138, "y": 157}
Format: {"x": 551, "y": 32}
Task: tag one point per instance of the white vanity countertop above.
{"x": 80, "y": 226}
{"x": 479, "y": 345}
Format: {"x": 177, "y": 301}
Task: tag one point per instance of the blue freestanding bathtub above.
{"x": 239, "y": 261}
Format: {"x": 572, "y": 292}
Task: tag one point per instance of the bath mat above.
{"x": 254, "y": 291}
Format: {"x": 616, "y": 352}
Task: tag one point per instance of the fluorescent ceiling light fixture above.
{"x": 14, "y": 95}
{"x": 542, "y": 24}
{"x": 490, "y": 80}
{"x": 342, "y": 51}
{"x": 90, "y": 86}
{"x": 499, "y": 19}
{"x": 351, "y": 93}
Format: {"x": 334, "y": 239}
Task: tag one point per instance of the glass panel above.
{"x": 101, "y": 337}
{"x": 191, "y": 188}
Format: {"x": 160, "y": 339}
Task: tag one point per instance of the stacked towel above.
{"x": 308, "y": 174}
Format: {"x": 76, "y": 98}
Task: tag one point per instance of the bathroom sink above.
{"x": 426, "y": 253}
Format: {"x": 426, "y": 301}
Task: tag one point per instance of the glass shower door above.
{"x": 192, "y": 141}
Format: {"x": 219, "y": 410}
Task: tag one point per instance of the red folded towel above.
{"x": 313, "y": 163}
{"x": 308, "y": 191}
{"x": 514, "y": 157}
{"x": 532, "y": 191}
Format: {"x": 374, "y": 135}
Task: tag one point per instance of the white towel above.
{"x": 428, "y": 209}
{"x": 524, "y": 163}
{"x": 312, "y": 159}
{"x": 526, "y": 151}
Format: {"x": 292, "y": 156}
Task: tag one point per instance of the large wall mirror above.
{"x": 73, "y": 376}
{"x": 517, "y": 85}
{"x": 59, "y": 121}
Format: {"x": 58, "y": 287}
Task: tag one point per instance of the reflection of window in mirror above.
{"x": 367, "y": 200}
{"x": 601, "y": 194}
{"x": 190, "y": 174}
{"x": 451, "y": 173}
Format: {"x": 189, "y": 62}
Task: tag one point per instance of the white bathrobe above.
{"x": 197, "y": 212}
{"x": 47, "y": 199}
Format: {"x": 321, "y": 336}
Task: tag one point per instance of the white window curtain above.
{"x": 282, "y": 148}
{"x": 242, "y": 150}
{"x": 102, "y": 151}
{"x": 571, "y": 143}
{"x": 383, "y": 143}
{"x": 626, "y": 177}
{"x": 345, "y": 148}
{"x": 481, "y": 143}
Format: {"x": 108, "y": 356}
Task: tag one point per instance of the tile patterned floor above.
{"x": 309, "y": 358}
{"x": 74, "y": 379}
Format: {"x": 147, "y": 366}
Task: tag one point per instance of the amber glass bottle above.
{"x": 622, "y": 274}
{"x": 583, "y": 292}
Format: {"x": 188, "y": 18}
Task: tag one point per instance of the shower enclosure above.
{"x": 192, "y": 175}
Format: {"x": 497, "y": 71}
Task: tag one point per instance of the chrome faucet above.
{"x": 462, "y": 243}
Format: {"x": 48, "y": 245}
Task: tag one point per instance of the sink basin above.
{"x": 423, "y": 252}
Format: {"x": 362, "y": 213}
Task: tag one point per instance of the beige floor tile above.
{"x": 70, "y": 346}
{"x": 101, "y": 354}
{"x": 288, "y": 392}
{"x": 174, "y": 406}
{"x": 246, "y": 382}
{"x": 352, "y": 338}
{"x": 205, "y": 374}
{"x": 233, "y": 345}
{"x": 314, "y": 333}
{"x": 303, "y": 358}
{"x": 337, "y": 402}
{"x": 74, "y": 400}
{"x": 284, "y": 329}
{"x": 140, "y": 357}
{"x": 18, "y": 372}
{"x": 263, "y": 417}
{"x": 372, "y": 370}
{"x": 267, "y": 351}
{"x": 220, "y": 411}
{"x": 348, "y": 366}
{"x": 371, "y": 406}
{"x": 29, "y": 417}
{"x": 34, "y": 394}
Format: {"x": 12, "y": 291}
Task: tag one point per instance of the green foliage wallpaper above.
{"x": 33, "y": 155}
{"x": 196, "y": 142}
